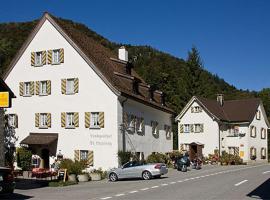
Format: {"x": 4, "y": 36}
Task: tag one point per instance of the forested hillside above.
{"x": 180, "y": 79}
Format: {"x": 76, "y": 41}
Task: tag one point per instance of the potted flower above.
{"x": 96, "y": 174}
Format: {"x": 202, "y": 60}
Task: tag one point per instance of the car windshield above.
{"x": 131, "y": 164}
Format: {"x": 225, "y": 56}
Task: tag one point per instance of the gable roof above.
{"x": 102, "y": 60}
{"x": 232, "y": 111}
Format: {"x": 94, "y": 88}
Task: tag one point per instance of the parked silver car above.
{"x": 135, "y": 169}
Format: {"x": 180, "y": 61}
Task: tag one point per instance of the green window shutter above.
{"x": 21, "y": 88}
{"x": 63, "y": 119}
{"x": 48, "y": 87}
{"x": 87, "y": 119}
{"x": 76, "y": 85}
{"x": 49, "y": 119}
{"x": 49, "y": 59}
{"x": 37, "y": 87}
{"x": 63, "y": 86}
{"x": 61, "y": 55}
{"x": 32, "y": 58}
{"x": 32, "y": 87}
{"x": 101, "y": 119}
{"x": 44, "y": 58}
{"x": 90, "y": 158}
{"x": 76, "y": 119}
{"x": 36, "y": 119}
{"x": 77, "y": 155}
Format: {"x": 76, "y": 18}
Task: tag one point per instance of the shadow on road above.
{"x": 14, "y": 196}
{"x": 27, "y": 184}
{"x": 261, "y": 192}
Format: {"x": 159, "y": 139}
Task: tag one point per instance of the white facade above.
{"x": 93, "y": 95}
{"x": 222, "y": 136}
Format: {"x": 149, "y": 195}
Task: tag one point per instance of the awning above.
{"x": 40, "y": 139}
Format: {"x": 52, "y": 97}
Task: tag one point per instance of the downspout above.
{"x": 123, "y": 127}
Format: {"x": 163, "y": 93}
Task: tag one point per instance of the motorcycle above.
{"x": 196, "y": 163}
{"x": 183, "y": 163}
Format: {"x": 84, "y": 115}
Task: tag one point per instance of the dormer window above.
{"x": 258, "y": 115}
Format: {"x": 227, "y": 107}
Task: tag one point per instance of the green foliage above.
{"x": 101, "y": 172}
{"x": 61, "y": 183}
{"x": 72, "y": 167}
{"x": 226, "y": 159}
{"x": 124, "y": 157}
{"x": 24, "y": 158}
{"x": 158, "y": 158}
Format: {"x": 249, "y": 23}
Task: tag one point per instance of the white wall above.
{"x": 209, "y": 137}
{"x": 257, "y": 142}
{"x": 148, "y": 143}
{"x": 94, "y": 95}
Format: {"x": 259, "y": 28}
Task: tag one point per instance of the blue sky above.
{"x": 233, "y": 36}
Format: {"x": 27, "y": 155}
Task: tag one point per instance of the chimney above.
{"x": 123, "y": 54}
{"x": 220, "y": 99}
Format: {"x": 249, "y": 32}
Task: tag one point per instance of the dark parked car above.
{"x": 7, "y": 183}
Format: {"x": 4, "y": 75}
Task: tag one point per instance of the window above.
{"x": 43, "y": 120}
{"x": 197, "y": 128}
{"x": 253, "y": 131}
{"x": 234, "y": 131}
{"x": 197, "y": 109}
{"x": 38, "y": 58}
{"x": 70, "y": 120}
{"x": 140, "y": 124}
{"x": 131, "y": 122}
{"x": 70, "y": 86}
{"x": 43, "y": 88}
{"x": 83, "y": 154}
{"x": 263, "y": 133}
{"x": 12, "y": 120}
{"x": 258, "y": 115}
{"x": 167, "y": 129}
{"x": 263, "y": 153}
{"x": 154, "y": 125}
{"x": 253, "y": 153}
{"x": 94, "y": 121}
{"x": 56, "y": 56}
{"x": 26, "y": 89}
{"x": 186, "y": 128}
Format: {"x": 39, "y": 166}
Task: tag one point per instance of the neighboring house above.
{"x": 79, "y": 100}
{"x": 4, "y": 99}
{"x": 236, "y": 126}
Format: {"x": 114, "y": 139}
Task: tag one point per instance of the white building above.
{"x": 236, "y": 126}
{"x": 76, "y": 98}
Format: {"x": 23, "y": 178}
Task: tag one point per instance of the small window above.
{"x": 70, "y": 86}
{"x": 154, "y": 125}
{"x": 70, "y": 120}
{"x": 83, "y": 154}
{"x": 94, "y": 121}
{"x": 253, "y": 131}
{"x": 197, "y": 128}
{"x": 258, "y": 115}
{"x": 263, "y": 153}
{"x": 56, "y": 56}
{"x": 186, "y": 128}
{"x": 197, "y": 109}
{"x": 12, "y": 120}
{"x": 38, "y": 59}
{"x": 263, "y": 133}
{"x": 26, "y": 90}
{"x": 43, "y": 88}
{"x": 167, "y": 129}
{"x": 43, "y": 120}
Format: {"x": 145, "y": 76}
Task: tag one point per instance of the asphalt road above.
{"x": 211, "y": 182}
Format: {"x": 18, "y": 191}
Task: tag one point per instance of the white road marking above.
{"x": 172, "y": 182}
{"x": 187, "y": 179}
{"x": 237, "y": 184}
{"x": 134, "y": 191}
{"x": 106, "y": 198}
{"x": 119, "y": 195}
{"x": 179, "y": 181}
{"x": 156, "y": 186}
{"x": 144, "y": 189}
{"x": 266, "y": 172}
{"x": 164, "y": 184}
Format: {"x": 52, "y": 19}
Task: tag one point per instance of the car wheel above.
{"x": 113, "y": 177}
{"x": 146, "y": 175}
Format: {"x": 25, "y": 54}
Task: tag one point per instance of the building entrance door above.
{"x": 45, "y": 158}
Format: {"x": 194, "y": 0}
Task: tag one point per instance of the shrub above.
{"x": 101, "y": 172}
{"x": 72, "y": 167}
{"x": 226, "y": 158}
{"x": 158, "y": 158}
{"x": 124, "y": 156}
{"x": 24, "y": 158}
